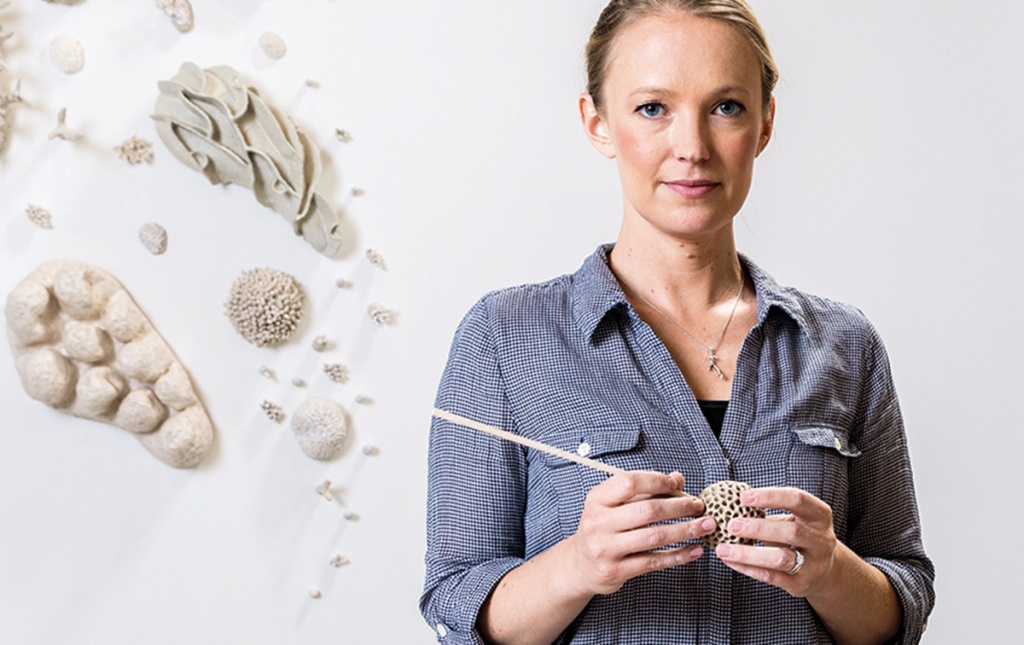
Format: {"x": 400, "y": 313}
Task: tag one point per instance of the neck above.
{"x": 681, "y": 275}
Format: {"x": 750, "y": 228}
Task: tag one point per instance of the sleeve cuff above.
{"x": 455, "y": 624}
{"x": 913, "y": 602}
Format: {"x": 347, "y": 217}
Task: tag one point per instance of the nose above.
{"x": 690, "y": 138}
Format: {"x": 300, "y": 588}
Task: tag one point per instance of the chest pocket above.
{"x": 819, "y": 462}
{"x": 569, "y": 482}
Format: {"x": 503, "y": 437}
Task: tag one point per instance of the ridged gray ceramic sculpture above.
{"x": 215, "y": 124}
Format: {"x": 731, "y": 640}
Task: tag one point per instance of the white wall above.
{"x": 893, "y": 183}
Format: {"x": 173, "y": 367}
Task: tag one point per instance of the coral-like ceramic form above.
{"x": 336, "y": 372}
{"x": 67, "y": 54}
{"x": 39, "y": 216}
{"x": 4, "y": 36}
{"x": 265, "y": 306}
{"x": 63, "y": 131}
{"x": 135, "y": 150}
{"x": 213, "y": 123}
{"x": 272, "y": 410}
{"x": 380, "y": 314}
{"x": 320, "y": 427}
{"x": 7, "y": 116}
{"x": 722, "y": 502}
{"x": 273, "y": 45}
{"x": 321, "y": 344}
{"x": 338, "y": 561}
{"x": 324, "y": 490}
{"x": 376, "y": 259}
{"x": 180, "y": 13}
{"x": 82, "y": 346}
{"x": 153, "y": 237}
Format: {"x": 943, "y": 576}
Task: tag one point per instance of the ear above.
{"x": 595, "y": 126}
{"x": 767, "y": 127}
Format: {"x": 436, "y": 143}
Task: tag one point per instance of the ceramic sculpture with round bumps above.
{"x": 722, "y": 502}
{"x": 82, "y": 346}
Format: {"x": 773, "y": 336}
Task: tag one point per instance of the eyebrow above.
{"x": 656, "y": 90}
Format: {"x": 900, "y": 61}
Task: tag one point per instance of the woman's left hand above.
{"x": 807, "y": 529}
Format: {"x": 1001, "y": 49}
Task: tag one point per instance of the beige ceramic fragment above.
{"x": 273, "y": 45}
{"x": 135, "y": 150}
{"x": 67, "y": 54}
{"x": 63, "y": 131}
{"x": 722, "y": 502}
{"x": 217, "y": 125}
{"x": 81, "y": 345}
{"x": 7, "y": 101}
{"x": 39, "y": 216}
{"x": 153, "y": 237}
{"x": 180, "y": 13}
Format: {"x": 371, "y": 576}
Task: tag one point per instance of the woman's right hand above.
{"x": 621, "y": 533}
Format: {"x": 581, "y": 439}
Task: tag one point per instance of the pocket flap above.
{"x": 593, "y": 443}
{"x": 826, "y": 437}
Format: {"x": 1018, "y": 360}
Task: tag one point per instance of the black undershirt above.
{"x": 714, "y": 412}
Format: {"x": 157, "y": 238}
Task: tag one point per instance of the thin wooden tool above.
{"x": 529, "y": 443}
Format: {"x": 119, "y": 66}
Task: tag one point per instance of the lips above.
{"x": 692, "y": 188}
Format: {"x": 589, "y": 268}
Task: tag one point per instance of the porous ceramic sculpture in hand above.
{"x": 722, "y": 502}
{"x": 82, "y": 346}
{"x": 213, "y": 123}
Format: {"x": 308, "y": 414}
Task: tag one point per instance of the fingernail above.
{"x": 723, "y": 550}
{"x": 707, "y": 524}
{"x": 737, "y": 525}
{"x": 748, "y": 497}
{"x": 696, "y": 552}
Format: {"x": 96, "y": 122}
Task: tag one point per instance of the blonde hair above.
{"x": 620, "y": 13}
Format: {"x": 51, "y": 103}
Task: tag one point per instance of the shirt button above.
{"x": 837, "y": 443}
{"x": 442, "y": 631}
{"x": 583, "y": 449}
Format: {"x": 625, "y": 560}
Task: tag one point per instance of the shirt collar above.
{"x": 596, "y": 292}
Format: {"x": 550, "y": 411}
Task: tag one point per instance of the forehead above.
{"x": 677, "y": 49}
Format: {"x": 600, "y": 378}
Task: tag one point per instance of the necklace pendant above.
{"x": 712, "y": 366}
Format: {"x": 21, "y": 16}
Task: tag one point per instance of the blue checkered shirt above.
{"x": 569, "y": 362}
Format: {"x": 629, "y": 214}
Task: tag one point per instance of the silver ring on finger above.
{"x": 797, "y": 563}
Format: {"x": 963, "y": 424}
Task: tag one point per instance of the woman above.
{"x": 671, "y": 353}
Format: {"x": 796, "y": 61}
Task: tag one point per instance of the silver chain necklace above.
{"x": 712, "y": 357}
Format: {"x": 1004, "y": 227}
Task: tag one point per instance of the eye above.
{"x": 729, "y": 107}
{"x": 651, "y": 110}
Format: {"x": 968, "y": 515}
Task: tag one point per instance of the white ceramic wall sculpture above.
{"x": 265, "y": 306}
{"x": 82, "y": 346}
{"x": 320, "y": 427}
{"x": 7, "y": 101}
{"x": 215, "y": 124}
{"x": 67, "y": 54}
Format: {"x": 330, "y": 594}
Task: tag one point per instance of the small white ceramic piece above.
{"x": 180, "y": 13}
{"x": 7, "y": 101}
{"x": 265, "y": 306}
{"x": 297, "y": 382}
{"x": 153, "y": 237}
{"x": 381, "y": 315}
{"x": 273, "y": 45}
{"x": 135, "y": 150}
{"x": 343, "y": 135}
{"x": 336, "y": 372}
{"x": 82, "y": 346}
{"x": 320, "y": 427}
{"x": 342, "y": 283}
{"x": 324, "y": 490}
{"x": 272, "y": 410}
{"x": 314, "y": 593}
{"x": 39, "y": 216}
{"x": 371, "y": 450}
{"x": 338, "y": 561}
{"x": 312, "y": 84}
{"x": 376, "y": 259}
{"x": 722, "y": 502}
{"x": 267, "y": 373}
{"x": 215, "y": 124}
{"x": 320, "y": 343}
{"x": 67, "y": 54}
{"x": 351, "y": 516}
{"x": 357, "y": 191}
{"x": 63, "y": 131}
{"x": 364, "y": 400}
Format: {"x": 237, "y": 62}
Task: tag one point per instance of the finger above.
{"x": 770, "y": 532}
{"x": 624, "y": 487}
{"x": 658, "y": 536}
{"x": 780, "y": 559}
{"x": 654, "y": 510}
{"x": 800, "y": 503}
{"x": 642, "y": 563}
{"x": 769, "y": 576}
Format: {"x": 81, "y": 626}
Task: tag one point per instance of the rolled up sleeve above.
{"x": 476, "y": 492}
{"x": 885, "y": 527}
